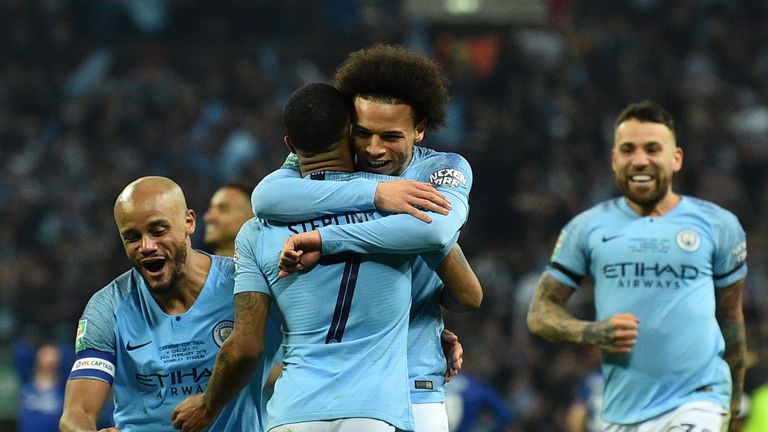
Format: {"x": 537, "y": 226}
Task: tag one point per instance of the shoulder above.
{"x": 224, "y": 264}
{"x": 711, "y": 211}
{"x": 597, "y": 212}
{"x": 115, "y": 293}
{"x": 425, "y": 155}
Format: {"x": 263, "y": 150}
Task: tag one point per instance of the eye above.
{"x": 362, "y": 133}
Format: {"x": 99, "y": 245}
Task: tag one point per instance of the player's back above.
{"x": 345, "y": 324}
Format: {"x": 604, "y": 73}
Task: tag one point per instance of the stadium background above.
{"x": 96, "y": 94}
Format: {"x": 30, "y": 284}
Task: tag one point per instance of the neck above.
{"x": 661, "y": 208}
{"x": 339, "y": 159}
{"x": 46, "y": 380}
{"x": 180, "y": 298}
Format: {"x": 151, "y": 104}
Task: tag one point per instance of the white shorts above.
{"x": 341, "y": 425}
{"x": 697, "y": 416}
{"x": 430, "y": 417}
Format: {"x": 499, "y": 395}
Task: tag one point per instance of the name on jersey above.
{"x": 649, "y": 275}
{"x": 448, "y": 177}
{"x": 336, "y": 219}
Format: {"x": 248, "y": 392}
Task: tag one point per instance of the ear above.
{"x": 613, "y": 160}
{"x": 678, "y": 160}
{"x": 287, "y": 141}
{"x": 190, "y": 223}
{"x": 421, "y": 129}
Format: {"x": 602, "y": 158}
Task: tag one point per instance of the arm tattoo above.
{"x": 548, "y": 316}
{"x": 730, "y": 317}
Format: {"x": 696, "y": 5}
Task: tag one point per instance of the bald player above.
{"x": 152, "y": 334}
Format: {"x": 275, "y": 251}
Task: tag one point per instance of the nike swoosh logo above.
{"x": 609, "y": 238}
{"x": 130, "y": 347}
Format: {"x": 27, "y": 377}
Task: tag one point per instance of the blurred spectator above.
{"x": 42, "y": 390}
{"x": 95, "y": 94}
{"x": 473, "y": 405}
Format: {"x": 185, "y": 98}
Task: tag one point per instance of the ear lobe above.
{"x": 191, "y": 222}
{"x": 421, "y": 129}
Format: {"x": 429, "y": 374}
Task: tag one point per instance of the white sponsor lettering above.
{"x": 448, "y": 177}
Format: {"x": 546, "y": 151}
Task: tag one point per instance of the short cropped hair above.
{"x": 316, "y": 116}
{"x": 393, "y": 74}
{"x": 245, "y": 187}
{"x": 649, "y": 112}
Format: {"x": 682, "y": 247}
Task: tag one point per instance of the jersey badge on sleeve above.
{"x": 448, "y": 177}
{"x": 740, "y": 251}
{"x": 80, "y": 337}
{"x": 688, "y": 240}
{"x": 558, "y": 245}
{"x": 221, "y": 331}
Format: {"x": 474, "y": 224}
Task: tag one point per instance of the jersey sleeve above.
{"x": 730, "y": 261}
{"x": 450, "y": 174}
{"x": 570, "y": 258}
{"x": 95, "y": 343}
{"x": 249, "y": 276}
{"x": 284, "y": 196}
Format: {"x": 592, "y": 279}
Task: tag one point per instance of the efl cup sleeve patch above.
{"x": 448, "y": 177}
{"x": 82, "y": 325}
{"x": 94, "y": 364}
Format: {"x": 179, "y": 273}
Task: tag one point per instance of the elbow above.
{"x": 473, "y": 301}
{"x": 259, "y": 203}
{"x": 534, "y": 324}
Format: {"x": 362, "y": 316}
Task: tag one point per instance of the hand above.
{"x": 616, "y": 335}
{"x": 191, "y": 415}
{"x": 409, "y": 197}
{"x": 454, "y": 353}
{"x": 300, "y": 252}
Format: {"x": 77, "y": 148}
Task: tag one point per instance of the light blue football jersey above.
{"x": 664, "y": 270}
{"x": 451, "y": 174}
{"x": 345, "y": 324}
{"x": 154, "y": 360}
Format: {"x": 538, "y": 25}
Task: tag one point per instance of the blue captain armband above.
{"x": 94, "y": 364}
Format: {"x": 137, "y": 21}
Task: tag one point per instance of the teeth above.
{"x": 377, "y": 164}
{"x": 640, "y": 178}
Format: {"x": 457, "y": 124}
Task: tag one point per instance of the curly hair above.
{"x": 393, "y": 74}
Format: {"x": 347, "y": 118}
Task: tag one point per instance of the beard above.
{"x": 646, "y": 199}
{"x": 167, "y": 283}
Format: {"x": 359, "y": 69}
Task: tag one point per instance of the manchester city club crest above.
{"x": 688, "y": 240}
{"x": 221, "y": 331}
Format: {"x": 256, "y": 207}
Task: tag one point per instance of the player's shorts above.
{"x": 693, "y": 416}
{"x": 341, "y": 425}
{"x": 430, "y": 417}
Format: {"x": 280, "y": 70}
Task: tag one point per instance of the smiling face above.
{"x": 155, "y": 226}
{"x": 383, "y": 136}
{"x": 644, "y": 159}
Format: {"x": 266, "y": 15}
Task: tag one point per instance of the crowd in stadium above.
{"x": 96, "y": 94}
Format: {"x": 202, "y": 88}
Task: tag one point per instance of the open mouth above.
{"x": 640, "y": 178}
{"x": 377, "y": 165}
{"x": 153, "y": 266}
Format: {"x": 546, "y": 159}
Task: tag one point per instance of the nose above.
{"x": 639, "y": 159}
{"x": 148, "y": 245}
{"x": 376, "y": 147}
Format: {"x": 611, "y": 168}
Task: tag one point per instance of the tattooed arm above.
{"x": 731, "y": 319}
{"x": 462, "y": 292}
{"x": 235, "y": 363}
{"x": 549, "y": 318}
